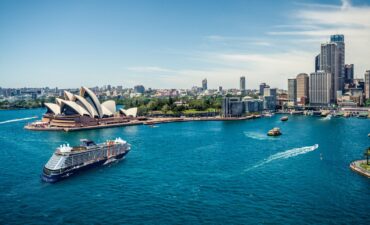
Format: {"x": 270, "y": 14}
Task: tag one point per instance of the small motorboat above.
{"x": 284, "y": 118}
{"x": 274, "y": 132}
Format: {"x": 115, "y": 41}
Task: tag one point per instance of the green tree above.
{"x": 165, "y": 108}
{"x": 367, "y": 155}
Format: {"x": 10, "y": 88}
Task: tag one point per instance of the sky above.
{"x": 173, "y": 43}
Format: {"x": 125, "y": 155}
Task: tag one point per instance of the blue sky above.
{"x": 164, "y": 44}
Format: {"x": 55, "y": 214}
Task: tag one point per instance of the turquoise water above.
{"x": 192, "y": 173}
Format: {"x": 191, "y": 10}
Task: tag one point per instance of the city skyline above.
{"x": 160, "y": 46}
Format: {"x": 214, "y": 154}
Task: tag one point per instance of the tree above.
{"x": 367, "y": 155}
{"x": 367, "y": 103}
{"x": 165, "y": 108}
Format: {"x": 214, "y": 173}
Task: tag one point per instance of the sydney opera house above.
{"x": 83, "y": 110}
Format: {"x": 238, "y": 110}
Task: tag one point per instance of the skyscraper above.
{"x": 242, "y": 84}
{"x": 262, "y": 87}
{"x": 348, "y": 73}
{"x": 329, "y": 64}
{"x": 332, "y": 60}
{"x": 367, "y": 84}
{"x": 292, "y": 90}
{"x": 204, "y": 84}
{"x": 302, "y": 88}
{"x": 317, "y": 63}
{"x": 320, "y": 88}
{"x": 339, "y": 40}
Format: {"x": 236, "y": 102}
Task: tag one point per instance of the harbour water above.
{"x": 192, "y": 173}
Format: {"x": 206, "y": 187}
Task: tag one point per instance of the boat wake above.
{"x": 328, "y": 117}
{"x": 17, "y": 120}
{"x": 284, "y": 155}
{"x": 258, "y": 136}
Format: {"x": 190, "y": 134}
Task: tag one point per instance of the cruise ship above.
{"x": 67, "y": 161}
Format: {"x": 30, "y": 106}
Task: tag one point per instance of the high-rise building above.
{"x": 317, "y": 63}
{"x": 262, "y": 87}
{"x": 204, "y": 84}
{"x": 320, "y": 88}
{"x": 302, "y": 88}
{"x": 339, "y": 40}
{"x": 242, "y": 84}
{"x": 348, "y": 73}
{"x": 269, "y": 98}
{"x": 329, "y": 64}
{"x": 367, "y": 84}
{"x": 292, "y": 90}
{"x": 332, "y": 60}
{"x": 139, "y": 89}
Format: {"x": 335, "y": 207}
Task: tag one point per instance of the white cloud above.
{"x": 321, "y": 21}
{"x": 286, "y": 50}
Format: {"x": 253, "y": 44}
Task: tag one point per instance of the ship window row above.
{"x": 93, "y": 155}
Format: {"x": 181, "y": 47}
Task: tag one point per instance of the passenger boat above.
{"x": 67, "y": 161}
{"x": 274, "y": 132}
{"x": 284, "y": 118}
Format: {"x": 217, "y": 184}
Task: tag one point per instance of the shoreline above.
{"x": 355, "y": 166}
{"x": 159, "y": 120}
{"x": 150, "y": 121}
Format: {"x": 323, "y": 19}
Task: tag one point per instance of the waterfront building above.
{"x": 302, "y": 88}
{"x": 367, "y": 84}
{"x": 232, "y": 106}
{"x": 348, "y": 73}
{"x": 236, "y": 106}
{"x": 269, "y": 103}
{"x": 139, "y": 89}
{"x": 83, "y": 109}
{"x": 269, "y": 98}
{"x": 204, "y": 84}
{"x": 252, "y": 105}
{"x": 242, "y": 85}
{"x": 320, "y": 88}
{"x": 292, "y": 91}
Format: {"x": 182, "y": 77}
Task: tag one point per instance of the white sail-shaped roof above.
{"x": 68, "y": 96}
{"x": 106, "y": 112}
{"x": 86, "y": 105}
{"x": 129, "y": 112}
{"x": 88, "y": 94}
{"x": 54, "y": 108}
{"x": 76, "y": 107}
{"x": 58, "y": 101}
{"x": 110, "y": 105}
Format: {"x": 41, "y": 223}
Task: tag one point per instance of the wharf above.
{"x": 355, "y": 166}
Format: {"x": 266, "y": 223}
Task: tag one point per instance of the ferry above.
{"x": 67, "y": 161}
{"x": 274, "y": 132}
{"x": 284, "y": 118}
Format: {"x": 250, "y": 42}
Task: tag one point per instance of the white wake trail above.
{"x": 285, "y": 155}
{"x": 259, "y": 136}
{"x": 16, "y": 120}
